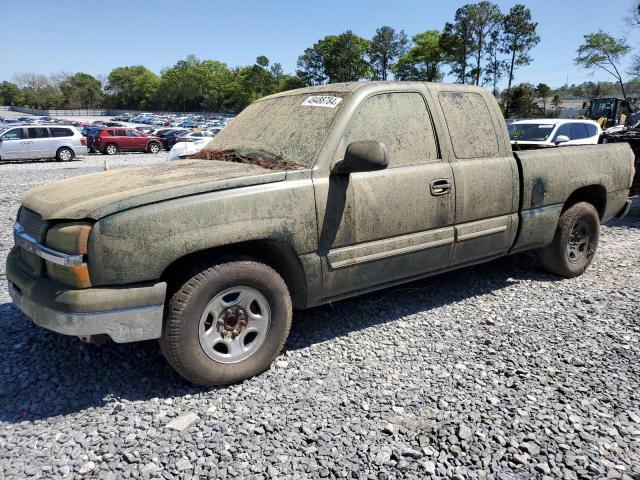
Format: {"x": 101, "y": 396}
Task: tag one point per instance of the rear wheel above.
{"x": 227, "y": 322}
{"x": 111, "y": 149}
{"x": 575, "y": 242}
{"x": 154, "y": 147}
{"x": 64, "y": 154}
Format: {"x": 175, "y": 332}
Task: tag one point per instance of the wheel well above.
{"x": 596, "y": 195}
{"x": 278, "y": 255}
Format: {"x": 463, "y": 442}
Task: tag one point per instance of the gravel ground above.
{"x": 499, "y": 371}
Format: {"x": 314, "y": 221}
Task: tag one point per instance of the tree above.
{"x": 543, "y": 91}
{"x": 385, "y": 49}
{"x": 485, "y": 19}
{"x": 423, "y": 60}
{"x": 456, "y": 41}
{"x": 311, "y": 66}
{"x": 39, "y": 91}
{"x": 338, "y": 58}
{"x": 519, "y": 37}
{"x": 602, "y": 51}
{"x": 131, "y": 87}
{"x": 496, "y": 67}
{"x": 10, "y": 94}
{"x": 556, "y": 104}
{"x": 522, "y": 101}
{"x": 81, "y": 90}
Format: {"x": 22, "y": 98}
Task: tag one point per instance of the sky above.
{"x": 48, "y": 37}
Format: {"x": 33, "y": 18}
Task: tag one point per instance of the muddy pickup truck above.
{"x": 307, "y": 197}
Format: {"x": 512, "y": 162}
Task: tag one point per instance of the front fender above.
{"x": 139, "y": 244}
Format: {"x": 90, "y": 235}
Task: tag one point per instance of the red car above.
{"x": 113, "y": 140}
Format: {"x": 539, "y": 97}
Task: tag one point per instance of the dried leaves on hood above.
{"x": 252, "y": 158}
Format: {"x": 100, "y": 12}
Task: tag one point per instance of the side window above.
{"x": 578, "y": 131}
{"x": 399, "y": 120}
{"x": 470, "y": 125}
{"x": 38, "y": 132}
{"x": 120, "y": 133}
{"x": 14, "y": 134}
{"x": 564, "y": 129}
{"x": 133, "y": 133}
{"x": 60, "y": 132}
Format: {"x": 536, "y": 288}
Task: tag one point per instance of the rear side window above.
{"x": 120, "y": 133}
{"x": 108, "y": 133}
{"x": 399, "y": 120}
{"x": 579, "y": 131}
{"x": 38, "y": 132}
{"x": 60, "y": 132}
{"x": 470, "y": 125}
{"x": 591, "y": 129}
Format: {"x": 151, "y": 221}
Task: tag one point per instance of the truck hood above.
{"x": 97, "y": 195}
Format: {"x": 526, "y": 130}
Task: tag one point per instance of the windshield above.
{"x": 602, "y": 108}
{"x": 530, "y": 132}
{"x": 290, "y": 129}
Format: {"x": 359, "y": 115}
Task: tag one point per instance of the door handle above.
{"x": 441, "y": 186}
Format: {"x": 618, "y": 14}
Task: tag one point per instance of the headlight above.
{"x": 70, "y": 238}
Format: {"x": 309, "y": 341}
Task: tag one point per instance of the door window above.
{"x": 470, "y": 125}
{"x": 399, "y": 120}
{"x": 133, "y": 133}
{"x": 579, "y": 131}
{"x": 38, "y": 132}
{"x": 14, "y": 134}
{"x": 564, "y": 129}
{"x": 120, "y": 133}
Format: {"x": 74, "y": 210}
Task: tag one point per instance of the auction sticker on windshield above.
{"x": 322, "y": 101}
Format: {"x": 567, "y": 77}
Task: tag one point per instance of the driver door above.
{"x": 383, "y": 226}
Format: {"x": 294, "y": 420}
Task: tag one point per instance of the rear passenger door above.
{"x": 40, "y": 146}
{"x": 486, "y": 175}
{"x": 382, "y": 226}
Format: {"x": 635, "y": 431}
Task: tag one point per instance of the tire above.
{"x": 110, "y": 149}
{"x": 153, "y": 147}
{"x": 197, "y": 339}
{"x": 575, "y": 242}
{"x": 64, "y": 154}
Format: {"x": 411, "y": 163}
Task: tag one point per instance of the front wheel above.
{"x": 227, "y": 322}
{"x": 575, "y": 242}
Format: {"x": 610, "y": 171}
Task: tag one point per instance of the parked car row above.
{"x": 176, "y": 120}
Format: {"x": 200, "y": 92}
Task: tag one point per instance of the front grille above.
{"x": 32, "y": 224}
{"x": 37, "y": 228}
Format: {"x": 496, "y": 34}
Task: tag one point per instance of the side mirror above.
{"x": 363, "y": 156}
{"x": 562, "y": 139}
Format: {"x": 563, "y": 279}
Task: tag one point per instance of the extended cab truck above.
{"x": 316, "y": 195}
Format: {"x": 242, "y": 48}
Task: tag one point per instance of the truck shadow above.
{"x": 43, "y": 374}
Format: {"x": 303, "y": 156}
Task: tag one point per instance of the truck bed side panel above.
{"x": 549, "y": 177}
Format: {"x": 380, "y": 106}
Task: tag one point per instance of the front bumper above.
{"x": 126, "y": 314}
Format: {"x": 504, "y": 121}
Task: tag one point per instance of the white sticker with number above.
{"x": 322, "y": 101}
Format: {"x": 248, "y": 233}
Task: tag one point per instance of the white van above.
{"x": 61, "y": 142}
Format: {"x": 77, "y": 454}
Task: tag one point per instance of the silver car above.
{"x": 61, "y": 142}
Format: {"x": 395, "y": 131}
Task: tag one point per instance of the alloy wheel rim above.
{"x": 65, "y": 155}
{"x": 234, "y": 324}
